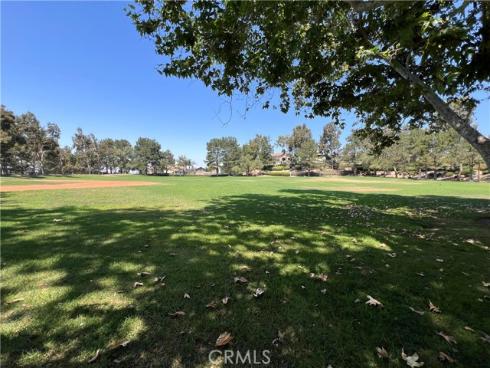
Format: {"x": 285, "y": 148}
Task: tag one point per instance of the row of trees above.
{"x": 417, "y": 151}
{"x": 29, "y": 148}
{"x": 225, "y": 156}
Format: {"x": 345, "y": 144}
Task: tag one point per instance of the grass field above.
{"x": 70, "y": 259}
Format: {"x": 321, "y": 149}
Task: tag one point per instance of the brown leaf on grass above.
{"x": 449, "y": 339}
{"x": 382, "y": 353}
{"x": 321, "y": 277}
{"x": 374, "y": 302}
{"x": 95, "y": 357}
{"x": 212, "y": 305}
{"x": 434, "y": 308}
{"x": 137, "y": 284}
{"x": 443, "y": 357}
{"x": 117, "y": 345}
{"x": 177, "y": 314}
{"x": 240, "y": 280}
{"x": 187, "y": 296}
{"x": 420, "y": 313}
{"x": 223, "y": 339}
{"x": 225, "y": 300}
{"x": 258, "y": 292}
{"x": 412, "y": 360}
{"x": 485, "y": 337}
{"x": 159, "y": 279}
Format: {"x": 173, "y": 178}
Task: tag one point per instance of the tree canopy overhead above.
{"x": 393, "y": 63}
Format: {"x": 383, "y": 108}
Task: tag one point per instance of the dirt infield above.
{"x": 74, "y": 185}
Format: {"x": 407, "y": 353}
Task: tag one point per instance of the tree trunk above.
{"x": 473, "y": 136}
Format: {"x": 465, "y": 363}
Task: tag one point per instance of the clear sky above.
{"x": 82, "y": 64}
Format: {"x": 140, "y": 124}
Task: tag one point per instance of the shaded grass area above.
{"x": 76, "y": 275}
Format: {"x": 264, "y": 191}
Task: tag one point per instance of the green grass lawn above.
{"x": 70, "y": 259}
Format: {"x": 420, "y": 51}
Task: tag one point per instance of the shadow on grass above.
{"x": 78, "y": 274}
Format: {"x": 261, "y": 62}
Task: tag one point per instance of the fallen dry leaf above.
{"x": 117, "y": 345}
{"x": 449, "y": 339}
{"x": 143, "y": 273}
{"x": 159, "y": 279}
{"x": 212, "y": 305}
{"x": 137, "y": 284}
{"x": 421, "y": 274}
{"x": 468, "y": 328}
{"x": 439, "y": 260}
{"x": 485, "y": 337}
{"x": 486, "y": 284}
{"x": 177, "y": 314}
{"x": 240, "y": 280}
{"x": 258, "y": 292}
{"x": 374, "y": 302}
{"x": 95, "y": 357}
{"x": 417, "y": 311}
{"x": 412, "y": 360}
{"x": 320, "y": 276}
{"x": 433, "y": 308}
{"x": 443, "y": 357}
{"x": 223, "y": 339}
{"x": 225, "y": 300}
{"x": 187, "y": 296}
{"x": 382, "y": 353}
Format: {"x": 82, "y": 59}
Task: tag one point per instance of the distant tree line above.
{"x": 416, "y": 152}
{"x": 29, "y": 148}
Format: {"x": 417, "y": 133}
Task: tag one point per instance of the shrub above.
{"x": 278, "y": 173}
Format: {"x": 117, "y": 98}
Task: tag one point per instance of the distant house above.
{"x": 281, "y": 158}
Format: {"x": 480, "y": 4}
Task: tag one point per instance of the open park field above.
{"x": 75, "y": 288}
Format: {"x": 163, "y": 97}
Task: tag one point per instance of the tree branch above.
{"x": 473, "y": 136}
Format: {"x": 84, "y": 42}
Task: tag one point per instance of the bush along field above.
{"x": 346, "y": 272}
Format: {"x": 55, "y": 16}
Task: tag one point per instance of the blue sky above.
{"x": 82, "y": 64}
